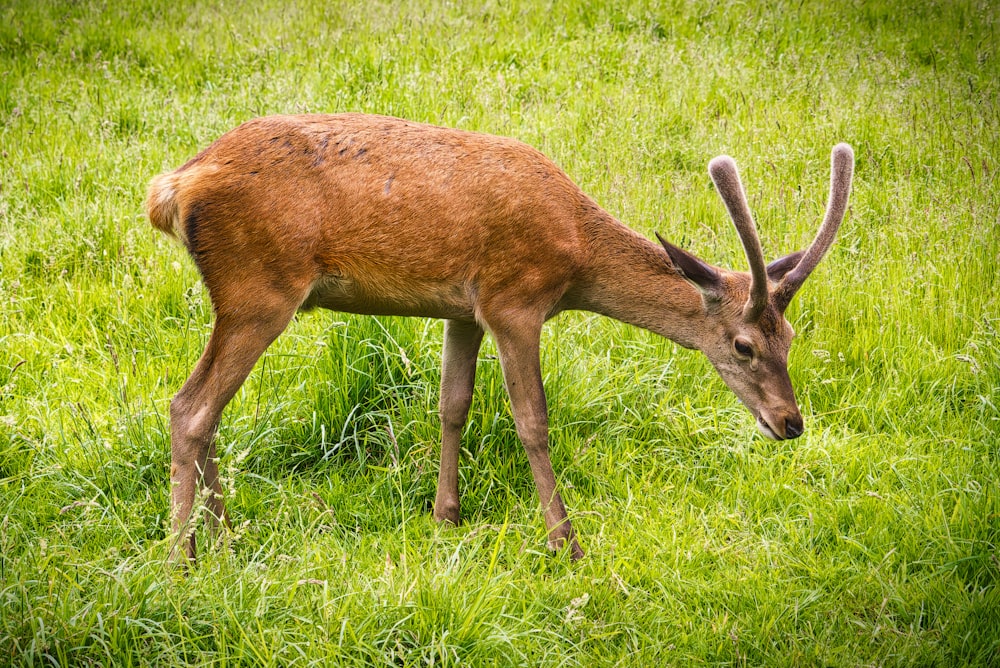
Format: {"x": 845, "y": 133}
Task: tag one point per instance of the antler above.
{"x": 841, "y": 171}
{"x": 727, "y": 182}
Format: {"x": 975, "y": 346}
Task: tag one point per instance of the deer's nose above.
{"x": 793, "y": 426}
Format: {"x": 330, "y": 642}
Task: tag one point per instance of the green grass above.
{"x": 872, "y": 540}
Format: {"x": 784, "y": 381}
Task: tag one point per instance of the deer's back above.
{"x": 381, "y": 215}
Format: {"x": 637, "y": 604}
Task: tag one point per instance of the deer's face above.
{"x": 752, "y": 359}
{"x": 747, "y": 342}
{"x": 743, "y": 330}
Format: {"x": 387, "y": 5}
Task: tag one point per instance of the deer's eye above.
{"x": 743, "y": 348}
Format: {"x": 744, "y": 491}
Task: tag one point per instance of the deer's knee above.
{"x": 454, "y": 412}
{"x": 191, "y": 432}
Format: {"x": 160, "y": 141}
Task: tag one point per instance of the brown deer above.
{"x": 377, "y": 215}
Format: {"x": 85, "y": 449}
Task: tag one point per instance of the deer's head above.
{"x": 746, "y": 335}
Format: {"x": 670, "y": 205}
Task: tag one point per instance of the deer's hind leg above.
{"x": 240, "y": 336}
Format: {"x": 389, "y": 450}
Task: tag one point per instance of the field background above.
{"x": 872, "y": 540}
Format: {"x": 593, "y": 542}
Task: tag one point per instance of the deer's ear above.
{"x": 777, "y": 269}
{"x": 700, "y": 274}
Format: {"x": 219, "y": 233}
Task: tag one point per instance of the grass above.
{"x": 872, "y": 540}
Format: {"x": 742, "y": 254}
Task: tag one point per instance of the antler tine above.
{"x": 841, "y": 172}
{"x": 727, "y": 182}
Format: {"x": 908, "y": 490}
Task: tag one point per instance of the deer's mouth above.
{"x": 765, "y": 429}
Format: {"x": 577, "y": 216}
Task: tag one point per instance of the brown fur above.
{"x": 377, "y": 215}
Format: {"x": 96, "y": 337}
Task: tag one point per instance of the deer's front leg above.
{"x": 458, "y": 375}
{"x": 519, "y": 357}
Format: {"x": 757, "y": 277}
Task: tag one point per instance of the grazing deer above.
{"x": 377, "y": 215}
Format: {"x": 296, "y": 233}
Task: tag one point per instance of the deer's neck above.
{"x": 631, "y": 280}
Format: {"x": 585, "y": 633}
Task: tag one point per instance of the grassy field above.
{"x": 872, "y": 540}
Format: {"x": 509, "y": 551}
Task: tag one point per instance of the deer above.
{"x": 377, "y": 215}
